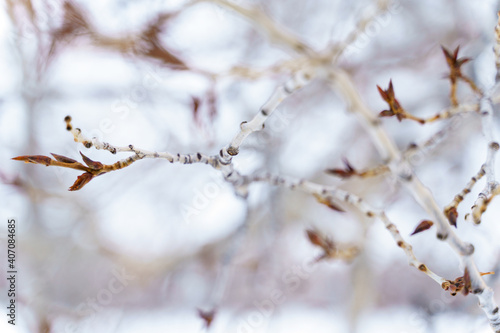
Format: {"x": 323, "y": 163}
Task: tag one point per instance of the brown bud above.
{"x": 81, "y": 181}
{"x": 207, "y": 316}
{"x": 63, "y": 159}
{"x": 424, "y": 225}
{"x": 35, "y": 159}
{"x": 452, "y": 215}
{"x": 91, "y": 164}
{"x": 314, "y": 237}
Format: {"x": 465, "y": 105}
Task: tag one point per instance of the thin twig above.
{"x": 400, "y": 167}
{"x": 328, "y": 193}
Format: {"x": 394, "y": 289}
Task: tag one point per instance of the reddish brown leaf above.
{"x": 81, "y": 181}
{"x": 36, "y": 159}
{"x": 207, "y": 316}
{"x": 63, "y": 159}
{"x": 424, "y": 225}
{"x": 91, "y": 164}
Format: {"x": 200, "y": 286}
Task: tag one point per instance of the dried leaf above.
{"x": 424, "y": 225}
{"x": 91, "y": 164}
{"x": 35, "y": 159}
{"x": 81, "y": 181}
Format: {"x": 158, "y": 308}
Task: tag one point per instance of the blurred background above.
{"x": 157, "y": 246}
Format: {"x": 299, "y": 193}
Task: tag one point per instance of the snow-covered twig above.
{"x": 401, "y": 168}
{"x": 333, "y": 195}
{"x": 451, "y": 210}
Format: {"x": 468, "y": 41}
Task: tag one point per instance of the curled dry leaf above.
{"x": 424, "y": 225}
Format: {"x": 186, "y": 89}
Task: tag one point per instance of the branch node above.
{"x": 468, "y": 249}
{"x": 441, "y": 236}
{"x": 233, "y": 151}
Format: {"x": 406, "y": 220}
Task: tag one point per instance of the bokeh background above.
{"x": 144, "y": 248}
